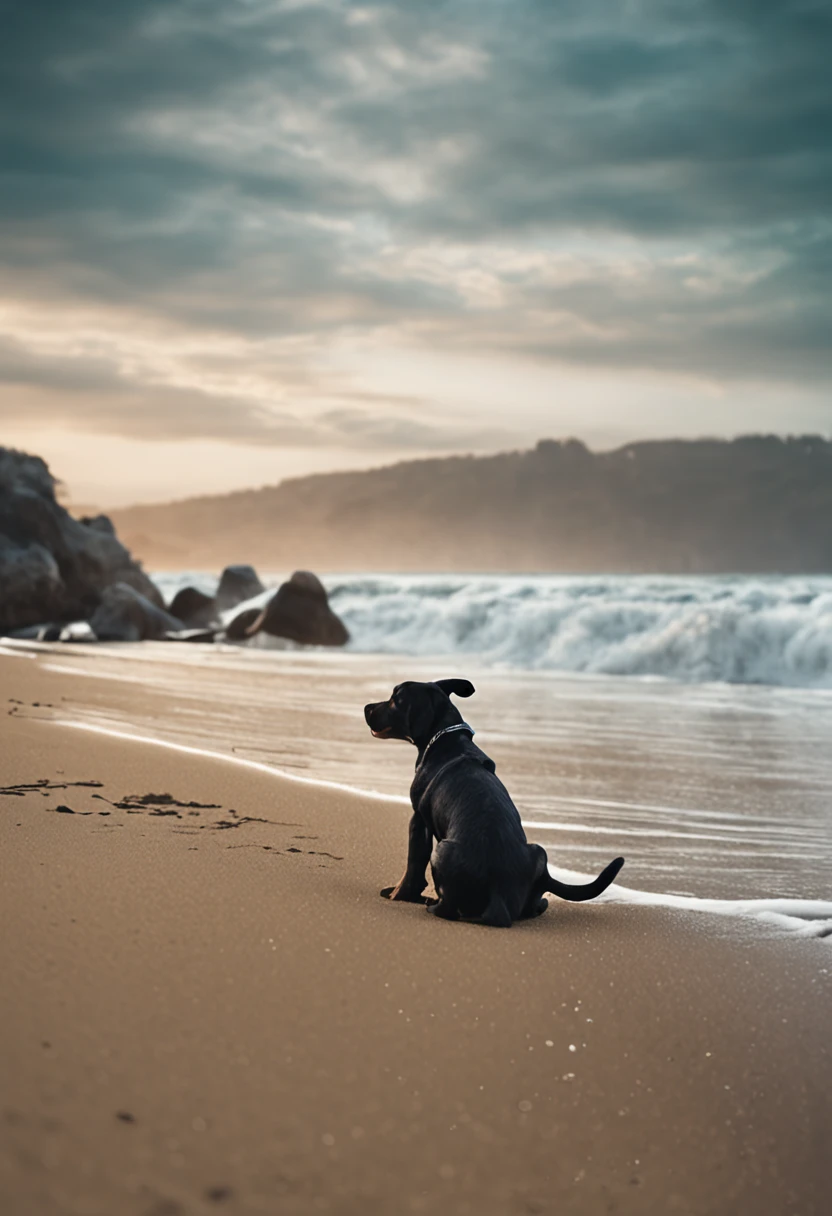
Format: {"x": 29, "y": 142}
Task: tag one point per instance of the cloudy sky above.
{"x": 241, "y": 239}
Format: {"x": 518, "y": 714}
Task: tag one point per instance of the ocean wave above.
{"x": 736, "y": 630}
{"x": 773, "y": 631}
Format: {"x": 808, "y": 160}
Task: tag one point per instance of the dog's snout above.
{"x": 371, "y": 712}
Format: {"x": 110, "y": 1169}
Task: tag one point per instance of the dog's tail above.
{"x": 587, "y": 890}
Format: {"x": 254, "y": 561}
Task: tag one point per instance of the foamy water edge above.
{"x": 800, "y": 918}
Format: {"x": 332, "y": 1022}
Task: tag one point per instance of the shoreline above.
{"x": 805, "y": 918}
{"x": 712, "y": 820}
{"x": 209, "y": 1004}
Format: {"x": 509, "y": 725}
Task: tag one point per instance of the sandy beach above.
{"x": 349, "y": 347}
{"x": 207, "y": 1007}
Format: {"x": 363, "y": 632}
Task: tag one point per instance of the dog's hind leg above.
{"x": 535, "y": 904}
{"x": 443, "y": 909}
{"x": 496, "y": 911}
{"x": 449, "y": 880}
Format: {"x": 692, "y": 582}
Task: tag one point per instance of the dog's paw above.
{"x": 400, "y": 895}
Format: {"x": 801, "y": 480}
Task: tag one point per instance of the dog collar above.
{"x": 447, "y": 730}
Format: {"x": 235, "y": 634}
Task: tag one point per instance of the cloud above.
{"x": 244, "y": 185}
{"x": 132, "y": 399}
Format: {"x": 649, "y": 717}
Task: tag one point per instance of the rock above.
{"x": 49, "y": 632}
{"x": 300, "y": 610}
{"x": 310, "y": 583}
{"x": 54, "y": 567}
{"x": 30, "y": 585}
{"x": 245, "y": 624}
{"x": 125, "y": 615}
{"x": 194, "y": 607}
{"x": 237, "y": 583}
{"x": 99, "y": 523}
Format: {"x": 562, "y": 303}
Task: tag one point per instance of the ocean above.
{"x": 684, "y": 723}
{"x": 770, "y": 631}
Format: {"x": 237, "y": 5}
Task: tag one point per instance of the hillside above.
{"x": 756, "y": 504}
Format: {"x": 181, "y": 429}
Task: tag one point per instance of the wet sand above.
{"x": 207, "y": 1007}
{"x": 711, "y": 791}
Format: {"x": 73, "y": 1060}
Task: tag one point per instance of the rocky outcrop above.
{"x": 72, "y": 579}
{"x": 200, "y": 611}
{"x": 299, "y": 610}
{"x": 125, "y": 615}
{"x": 194, "y": 607}
{"x": 237, "y": 583}
{"x": 37, "y": 633}
{"x": 54, "y": 567}
{"x": 30, "y": 584}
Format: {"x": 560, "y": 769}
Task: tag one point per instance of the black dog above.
{"x": 483, "y": 867}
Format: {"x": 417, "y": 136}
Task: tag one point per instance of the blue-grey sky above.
{"x": 245, "y": 238}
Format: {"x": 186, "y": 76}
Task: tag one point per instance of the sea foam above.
{"x": 729, "y": 629}
{"x": 735, "y": 630}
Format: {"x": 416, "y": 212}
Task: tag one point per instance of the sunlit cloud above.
{"x": 227, "y": 221}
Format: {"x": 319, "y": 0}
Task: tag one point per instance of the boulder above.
{"x": 54, "y": 567}
{"x": 125, "y": 615}
{"x": 237, "y": 583}
{"x": 98, "y": 523}
{"x": 49, "y": 632}
{"x": 194, "y": 607}
{"x": 30, "y": 585}
{"x": 299, "y": 610}
{"x": 310, "y": 583}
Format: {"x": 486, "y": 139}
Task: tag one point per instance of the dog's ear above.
{"x": 460, "y": 688}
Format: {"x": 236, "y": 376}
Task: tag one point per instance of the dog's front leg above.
{"x": 414, "y": 880}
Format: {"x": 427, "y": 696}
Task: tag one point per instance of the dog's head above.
{"x": 417, "y": 711}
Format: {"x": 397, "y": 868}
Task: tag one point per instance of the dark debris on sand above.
{"x": 236, "y": 820}
{"x": 44, "y": 785}
{"x": 218, "y": 1193}
{"x": 159, "y": 803}
{"x": 162, "y": 805}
